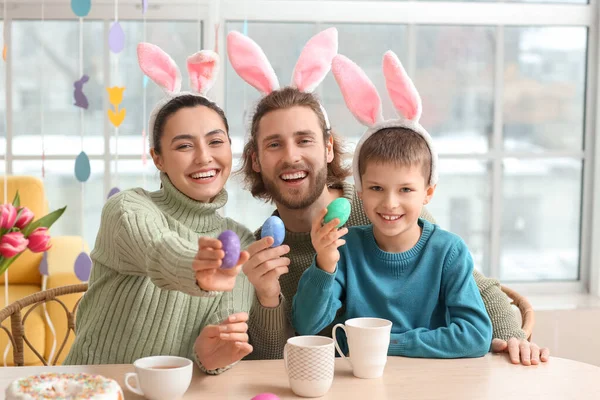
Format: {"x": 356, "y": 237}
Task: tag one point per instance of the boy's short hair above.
{"x": 396, "y": 145}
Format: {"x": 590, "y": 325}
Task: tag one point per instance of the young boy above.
{"x": 401, "y": 268}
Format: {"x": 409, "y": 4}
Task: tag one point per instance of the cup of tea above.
{"x": 368, "y": 342}
{"x": 310, "y": 363}
{"x": 160, "y": 377}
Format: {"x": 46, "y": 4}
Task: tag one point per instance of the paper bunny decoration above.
{"x": 364, "y": 103}
{"x": 202, "y": 67}
{"x": 251, "y": 64}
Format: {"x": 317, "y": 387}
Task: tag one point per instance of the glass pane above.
{"x": 179, "y": 39}
{"x": 282, "y": 50}
{"x": 58, "y": 44}
{"x": 544, "y": 88}
{"x": 367, "y": 53}
{"x": 455, "y": 78}
{"x": 242, "y": 207}
{"x": 541, "y": 219}
{"x": 134, "y": 174}
{"x": 461, "y": 204}
{"x": 62, "y": 189}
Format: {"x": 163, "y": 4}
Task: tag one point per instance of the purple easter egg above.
{"x": 44, "y": 264}
{"x": 83, "y": 267}
{"x": 265, "y": 396}
{"x": 231, "y": 247}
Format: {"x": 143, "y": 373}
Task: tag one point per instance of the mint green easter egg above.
{"x": 339, "y": 208}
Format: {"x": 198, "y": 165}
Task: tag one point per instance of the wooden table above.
{"x": 490, "y": 377}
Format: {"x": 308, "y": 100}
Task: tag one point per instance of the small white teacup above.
{"x": 310, "y": 363}
{"x": 161, "y": 377}
{"x": 368, "y": 343}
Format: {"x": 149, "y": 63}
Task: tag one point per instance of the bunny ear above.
{"x": 400, "y": 87}
{"x": 159, "y": 67}
{"x": 359, "y": 93}
{"x": 250, "y": 63}
{"x": 315, "y": 60}
{"x": 203, "y": 68}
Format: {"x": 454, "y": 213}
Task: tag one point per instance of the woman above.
{"x": 156, "y": 287}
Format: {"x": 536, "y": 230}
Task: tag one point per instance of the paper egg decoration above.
{"x": 273, "y": 227}
{"x": 231, "y": 247}
{"x": 339, "y": 208}
{"x": 112, "y": 192}
{"x": 44, "y": 264}
{"x": 116, "y": 38}
{"x": 265, "y": 396}
{"x": 82, "y": 167}
{"x": 81, "y": 8}
{"x": 83, "y": 267}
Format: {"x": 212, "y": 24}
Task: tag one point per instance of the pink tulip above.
{"x": 12, "y": 244}
{"x": 8, "y": 216}
{"x": 39, "y": 240}
{"x": 25, "y": 218}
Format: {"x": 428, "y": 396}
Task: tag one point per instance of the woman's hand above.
{"x": 207, "y": 264}
{"x": 221, "y": 345}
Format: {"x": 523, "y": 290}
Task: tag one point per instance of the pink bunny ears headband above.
{"x": 251, "y": 64}
{"x": 202, "y": 67}
{"x": 364, "y": 102}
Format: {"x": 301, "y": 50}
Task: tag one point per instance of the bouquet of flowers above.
{"x": 18, "y": 231}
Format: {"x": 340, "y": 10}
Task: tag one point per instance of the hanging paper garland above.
{"x": 144, "y": 6}
{"x": 115, "y": 97}
{"x": 112, "y": 192}
{"x": 116, "y": 42}
{"x": 82, "y": 167}
{"x": 80, "y": 98}
{"x": 83, "y": 267}
{"x": 81, "y": 8}
{"x": 116, "y": 36}
{"x": 44, "y": 264}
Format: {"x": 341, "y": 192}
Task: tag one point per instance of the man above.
{"x": 294, "y": 160}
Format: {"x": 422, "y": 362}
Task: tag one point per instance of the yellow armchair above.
{"x": 24, "y": 277}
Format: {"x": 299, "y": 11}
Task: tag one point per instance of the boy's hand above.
{"x": 326, "y": 240}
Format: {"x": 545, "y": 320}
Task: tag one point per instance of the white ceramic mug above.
{"x": 368, "y": 342}
{"x": 161, "y": 377}
{"x": 309, "y": 362}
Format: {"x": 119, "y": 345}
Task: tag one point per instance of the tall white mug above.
{"x": 368, "y": 342}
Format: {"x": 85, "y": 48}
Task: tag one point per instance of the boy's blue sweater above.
{"x": 428, "y": 292}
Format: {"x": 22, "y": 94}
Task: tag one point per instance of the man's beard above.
{"x": 292, "y": 199}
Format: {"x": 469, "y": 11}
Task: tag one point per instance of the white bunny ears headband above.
{"x": 251, "y": 64}
{"x": 364, "y": 102}
{"x": 202, "y": 67}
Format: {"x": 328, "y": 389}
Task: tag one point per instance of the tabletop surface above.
{"x": 490, "y": 377}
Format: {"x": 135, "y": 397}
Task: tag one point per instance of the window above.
{"x": 457, "y": 69}
{"x": 52, "y": 85}
{"x": 506, "y": 93}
